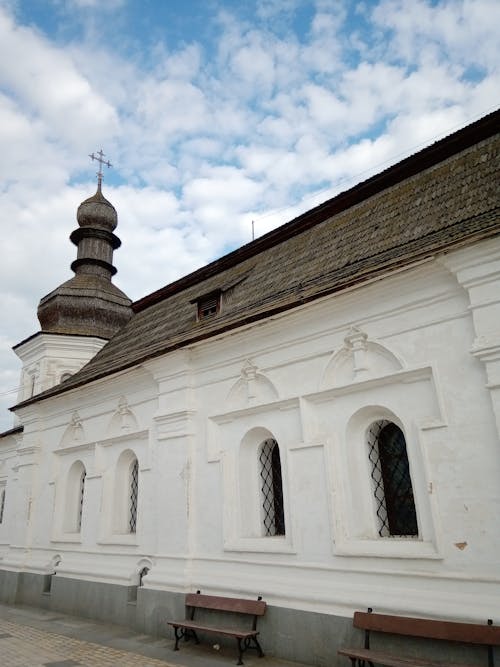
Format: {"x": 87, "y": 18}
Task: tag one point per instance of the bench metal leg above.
{"x": 178, "y": 634}
{"x": 240, "y": 650}
{"x": 185, "y": 633}
{"x": 258, "y": 647}
{"x": 244, "y": 644}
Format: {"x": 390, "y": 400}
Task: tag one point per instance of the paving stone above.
{"x": 28, "y": 640}
{"x": 25, "y": 646}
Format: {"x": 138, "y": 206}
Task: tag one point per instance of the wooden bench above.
{"x": 466, "y": 633}
{"x": 246, "y": 637}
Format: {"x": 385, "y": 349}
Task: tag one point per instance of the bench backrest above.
{"x": 432, "y": 629}
{"x": 217, "y": 603}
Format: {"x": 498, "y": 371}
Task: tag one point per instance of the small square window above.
{"x": 208, "y": 305}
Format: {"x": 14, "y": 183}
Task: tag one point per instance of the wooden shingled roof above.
{"x": 438, "y": 199}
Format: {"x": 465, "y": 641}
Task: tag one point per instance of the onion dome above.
{"x": 97, "y": 211}
{"x": 89, "y": 304}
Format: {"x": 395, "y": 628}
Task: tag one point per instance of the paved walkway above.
{"x": 32, "y": 637}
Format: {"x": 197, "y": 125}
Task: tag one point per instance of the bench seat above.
{"x": 203, "y": 627}
{"x": 391, "y": 660}
{"x": 246, "y": 637}
{"x": 486, "y": 635}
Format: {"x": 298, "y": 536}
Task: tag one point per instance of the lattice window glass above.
{"x": 392, "y": 487}
{"x": 271, "y": 488}
{"x": 2, "y": 504}
{"x": 81, "y": 492}
{"x": 134, "y": 493}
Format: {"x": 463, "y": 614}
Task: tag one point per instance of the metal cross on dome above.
{"x": 99, "y": 158}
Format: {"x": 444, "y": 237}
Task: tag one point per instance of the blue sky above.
{"x": 213, "y": 114}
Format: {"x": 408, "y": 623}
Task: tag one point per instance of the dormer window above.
{"x": 208, "y": 305}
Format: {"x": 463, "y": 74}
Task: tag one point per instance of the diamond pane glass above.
{"x": 134, "y": 492}
{"x": 271, "y": 488}
{"x": 392, "y": 488}
{"x": 80, "y": 502}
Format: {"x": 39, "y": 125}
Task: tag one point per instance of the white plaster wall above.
{"x": 47, "y": 358}
{"x": 296, "y": 375}
{"x": 8, "y": 458}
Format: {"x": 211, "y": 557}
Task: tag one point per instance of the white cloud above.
{"x": 217, "y": 196}
{"x": 326, "y": 110}
{"x": 460, "y": 31}
{"x": 274, "y": 9}
{"x": 253, "y": 64}
{"x": 45, "y": 81}
{"x": 169, "y": 107}
{"x": 183, "y": 64}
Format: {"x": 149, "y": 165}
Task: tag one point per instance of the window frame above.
{"x": 242, "y": 519}
{"x": 208, "y": 305}
{"x": 339, "y": 416}
{"x": 355, "y": 522}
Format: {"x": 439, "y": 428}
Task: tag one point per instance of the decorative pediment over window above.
{"x": 123, "y": 421}
{"x": 252, "y": 388}
{"x": 359, "y": 359}
{"x": 74, "y": 433}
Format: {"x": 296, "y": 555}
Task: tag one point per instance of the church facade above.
{"x": 313, "y": 418}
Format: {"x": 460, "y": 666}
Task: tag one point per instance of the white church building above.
{"x": 313, "y": 418}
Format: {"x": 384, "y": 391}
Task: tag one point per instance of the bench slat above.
{"x": 230, "y": 632}
{"x": 390, "y": 660}
{"x": 469, "y": 633}
{"x": 236, "y": 605}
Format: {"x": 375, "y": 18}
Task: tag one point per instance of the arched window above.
{"x": 133, "y": 497}
{"x": 2, "y": 503}
{"x": 80, "y": 501}
{"x": 273, "y": 515}
{"x": 75, "y": 492}
{"x": 126, "y": 494}
{"x": 392, "y": 486}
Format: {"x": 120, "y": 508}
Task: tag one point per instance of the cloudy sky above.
{"x": 213, "y": 113}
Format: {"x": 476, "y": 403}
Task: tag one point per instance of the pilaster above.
{"x": 477, "y": 269}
